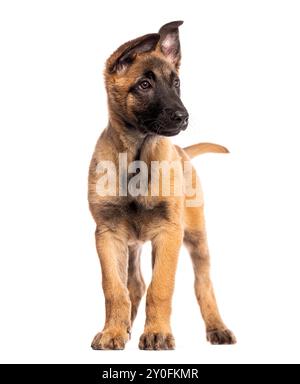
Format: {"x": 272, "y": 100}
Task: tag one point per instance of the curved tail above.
{"x": 199, "y": 149}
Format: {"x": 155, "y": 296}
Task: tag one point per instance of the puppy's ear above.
{"x": 169, "y": 43}
{"x": 126, "y": 54}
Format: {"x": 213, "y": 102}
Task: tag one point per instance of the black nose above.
{"x": 181, "y": 117}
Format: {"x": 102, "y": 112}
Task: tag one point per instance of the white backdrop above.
{"x": 241, "y": 84}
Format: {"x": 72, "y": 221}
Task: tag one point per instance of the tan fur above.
{"x": 199, "y": 149}
{"x": 124, "y": 224}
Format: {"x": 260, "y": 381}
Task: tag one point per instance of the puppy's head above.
{"x": 143, "y": 85}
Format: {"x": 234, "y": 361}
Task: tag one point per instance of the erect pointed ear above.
{"x": 126, "y": 54}
{"x": 169, "y": 42}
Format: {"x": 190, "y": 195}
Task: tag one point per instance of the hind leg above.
{"x": 135, "y": 284}
{"x": 195, "y": 240}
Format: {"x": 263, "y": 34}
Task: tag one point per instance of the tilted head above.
{"x": 143, "y": 85}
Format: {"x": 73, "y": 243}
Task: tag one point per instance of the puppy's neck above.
{"x": 126, "y": 139}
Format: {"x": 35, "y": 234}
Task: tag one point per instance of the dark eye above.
{"x": 176, "y": 83}
{"x": 145, "y": 85}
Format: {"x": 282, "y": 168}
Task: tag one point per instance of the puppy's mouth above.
{"x": 170, "y": 132}
{"x": 157, "y": 128}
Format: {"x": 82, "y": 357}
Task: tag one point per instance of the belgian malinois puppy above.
{"x": 143, "y": 89}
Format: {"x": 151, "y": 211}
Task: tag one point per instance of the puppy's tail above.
{"x": 199, "y": 149}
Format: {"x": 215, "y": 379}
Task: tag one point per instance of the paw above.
{"x": 110, "y": 340}
{"x": 219, "y": 337}
{"x": 156, "y": 341}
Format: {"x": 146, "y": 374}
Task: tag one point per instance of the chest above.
{"x": 137, "y": 217}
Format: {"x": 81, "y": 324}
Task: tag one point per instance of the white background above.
{"x": 241, "y": 84}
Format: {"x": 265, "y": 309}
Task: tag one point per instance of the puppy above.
{"x": 130, "y": 207}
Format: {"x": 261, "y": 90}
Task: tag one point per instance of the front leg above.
{"x": 166, "y": 246}
{"x": 113, "y": 253}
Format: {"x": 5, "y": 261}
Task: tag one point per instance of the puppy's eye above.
{"x": 145, "y": 85}
{"x": 176, "y": 83}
